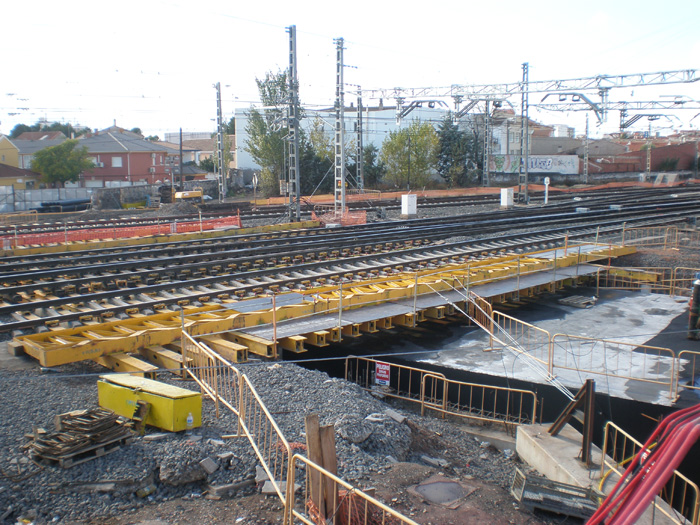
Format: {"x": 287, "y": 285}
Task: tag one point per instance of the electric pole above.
{"x": 339, "y": 131}
{"x": 487, "y": 146}
{"x": 360, "y": 161}
{"x": 293, "y": 185}
{"x": 585, "y": 155}
{"x": 524, "y": 139}
{"x": 220, "y": 172}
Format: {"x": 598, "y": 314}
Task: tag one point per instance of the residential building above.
{"x": 20, "y": 152}
{"x": 121, "y": 156}
{"x": 18, "y": 178}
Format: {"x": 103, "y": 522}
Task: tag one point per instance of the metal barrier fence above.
{"x": 22, "y": 217}
{"x": 680, "y": 496}
{"x": 657, "y": 280}
{"x": 397, "y": 381}
{"x": 633, "y": 362}
{"x": 478, "y": 402}
{"x": 663, "y": 237}
{"x": 345, "y": 504}
{"x": 218, "y": 378}
{"x": 222, "y": 382}
{"x": 435, "y": 392}
{"x": 267, "y": 439}
{"x": 693, "y": 375}
{"x": 653, "y": 236}
{"x": 683, "y": 279}
{"x": 521, "y": 336}
{"x": 66, "y": 236}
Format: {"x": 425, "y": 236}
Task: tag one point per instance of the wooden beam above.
{"x": 313, "y": 447}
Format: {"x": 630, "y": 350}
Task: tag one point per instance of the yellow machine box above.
{"x": 170, "y": 406}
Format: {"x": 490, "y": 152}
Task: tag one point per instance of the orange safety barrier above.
{"x": 347, "y": 219}
{"x": 91, "y": 234}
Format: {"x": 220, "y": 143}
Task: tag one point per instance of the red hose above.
{"x": 674, "y": 435}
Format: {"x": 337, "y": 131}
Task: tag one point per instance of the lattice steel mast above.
{"x": 293, "y": 180}
{"x": 339, "y": 202}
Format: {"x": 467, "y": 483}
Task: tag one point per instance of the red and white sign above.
{"x": 381, "y": 373}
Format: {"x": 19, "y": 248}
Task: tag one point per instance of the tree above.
{"x": 230, "y": 128}
{"x": 373, "y": 167}
{"x": 153, "y": 138}
{"x": 453, "y": 147}
{"x": 208, "y": 164}
{"x": 409, "y": 155}
{"x": 265, "y": 134}
{"x": 137, "y": 131}
{"x": 67, "y": 129}
{"x": 62, "y": 163}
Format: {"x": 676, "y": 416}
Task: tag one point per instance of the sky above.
{"x": 153, "y": 64}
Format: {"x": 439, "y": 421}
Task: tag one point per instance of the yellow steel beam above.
{"x": 293, "y": 343}
{"x": 156, "y": 239}
{"x": 229, "y": 350}
{"x": 318, "y": 338}
{"x": 163, "y": 357}
{"x": 63, "y": 346}
{"x": 121, "y": 362}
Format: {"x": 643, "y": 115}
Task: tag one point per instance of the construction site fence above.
{"x": 593, "y": 357}
{"x": 325, "y": 498}
{"x": 672, "y": 281}
{"x": 217, "y": 377}
{"x": 484, "y": 403}
{"x": 679, "y": 500}
{"x": 690, "y": 361}
{"x": 522, "y": 337}
{"x": 396, "y": 381}
{"x": 20, "y": 217}
{"x": 92, "y": 234}
{"x": 349, "y": 218}
{"x": 433, "y": 391}
{"x": 224, "y": 384}
{"x": 267, "y": 439}
{"x": 662, "y": 237}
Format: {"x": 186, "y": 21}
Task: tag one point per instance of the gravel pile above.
{"x": 156, "y": 470}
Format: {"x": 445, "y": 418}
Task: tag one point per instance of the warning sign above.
{"x": 381, "y": 373}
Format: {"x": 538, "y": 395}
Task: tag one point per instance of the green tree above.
{"x": 153, "y": 138}
{"x": 230, "y": 128}
{"x": 452, "y": 151}
{"x": 67, "y": 129}
{"x": 62, "y": 163}
{"x": 137, "y": 131}
{"x": 208, "y": 164}
{"x": 265, "y": 133}
{"x": 373, "y": 167}
{"x": 409, "y": 155}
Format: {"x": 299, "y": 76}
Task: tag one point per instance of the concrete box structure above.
{"x": 409, "y": 205}
{"x": 506, "y": 197}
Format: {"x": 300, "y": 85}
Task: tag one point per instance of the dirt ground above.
{"x": 483, "y": 503}
{"x": 487, "y": 504}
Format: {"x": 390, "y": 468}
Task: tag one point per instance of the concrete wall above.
{"x": 23, "y": 200}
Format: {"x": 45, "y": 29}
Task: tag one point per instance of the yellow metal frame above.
{"x": 663, "y": 357}
{"x": 63, "y": 346}
{"x": 478, "y": 402}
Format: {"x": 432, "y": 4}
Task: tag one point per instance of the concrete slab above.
{"x": 628, "y": 317}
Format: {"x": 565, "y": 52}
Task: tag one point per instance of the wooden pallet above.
{"x": 86, "y": 454}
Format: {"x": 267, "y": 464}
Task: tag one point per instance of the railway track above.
{"x": 250, "y": 212}
{"x": 103, "y": 284}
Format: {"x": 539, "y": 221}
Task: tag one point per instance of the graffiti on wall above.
{"x": 564, "y": 164}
